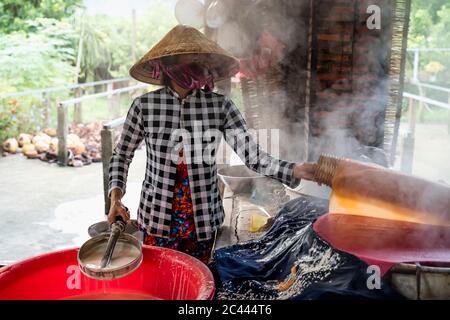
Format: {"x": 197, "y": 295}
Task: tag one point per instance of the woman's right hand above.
{"x": 118, "y": 209}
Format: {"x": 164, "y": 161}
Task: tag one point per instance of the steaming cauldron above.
{"x": 164, "y": 274}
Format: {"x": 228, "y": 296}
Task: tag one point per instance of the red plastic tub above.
{"x": 164, "y": 274}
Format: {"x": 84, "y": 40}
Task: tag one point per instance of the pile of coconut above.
{"x": 83, "y": 145}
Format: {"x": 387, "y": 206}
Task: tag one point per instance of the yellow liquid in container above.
{"x": 257, "y": 221}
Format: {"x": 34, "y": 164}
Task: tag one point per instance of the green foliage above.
{"x": 37, "y": 60}
{"x": 37, "y": 52}
{"x": 8, "y": 126}
{"x": 108, "y": 40}
{"x": 429, "y": 28}
{"x": 15, "y": 14}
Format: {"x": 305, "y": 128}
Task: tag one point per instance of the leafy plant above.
{"x": 434, "y": 67}
{"x": 15, "y": 14}
{"x": 8, "y": 122}
{"x": 37, "y": 60}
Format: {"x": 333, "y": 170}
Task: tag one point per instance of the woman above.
{"x": 182, "y": 124}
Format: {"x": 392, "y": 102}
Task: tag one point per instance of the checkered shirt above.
{"x": 197, "y": 124}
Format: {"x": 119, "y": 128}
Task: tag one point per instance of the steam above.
{"x": 346, "y": 117}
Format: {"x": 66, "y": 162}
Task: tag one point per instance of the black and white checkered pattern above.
{"x": 166, "y": 123}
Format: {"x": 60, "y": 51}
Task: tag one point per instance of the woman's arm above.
{"x": 131, "y": 137}
{"x": 242, "y": 142}
{"x": 117, "y": 208}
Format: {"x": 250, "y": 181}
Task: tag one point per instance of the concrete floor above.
{"x": 45, "y": 207}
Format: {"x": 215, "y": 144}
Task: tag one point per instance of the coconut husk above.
{"x": 41, "y": 146}
{"x": 41, "y": 136}
{"x": 50, "y": 132}
{"x": 53, "y": 146}
{"x": 30, "y": 151}
{"x": 78, "y": 148}
{"x": 24, "y": 138}
{"x": 10, "y": 145}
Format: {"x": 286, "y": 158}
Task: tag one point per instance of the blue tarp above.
{"x": 254, "y": 269}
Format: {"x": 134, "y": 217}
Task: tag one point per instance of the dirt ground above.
{"x": 45, "y": 207}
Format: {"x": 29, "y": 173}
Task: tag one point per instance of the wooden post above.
{"x": 448, "y": 128}
{"x": 415, "y": 76}
{"x": 78, "y": 108}
{"x": 412, "y": 116}
{"x": 116, "y": 106}
{"x": 47, "y": 109}
{"x": 113, "y": 102}
{"x": 409, "y": 141}
{"x": 62, "y": 131}
{"x": 107, "y": 145}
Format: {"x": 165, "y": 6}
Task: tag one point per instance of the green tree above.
{"x": 37, "y": 60}
{"x": 107, "y": 41}
{"x": 15, "y": 14}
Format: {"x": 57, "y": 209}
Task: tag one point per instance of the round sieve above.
{"x": 126, "y": 257}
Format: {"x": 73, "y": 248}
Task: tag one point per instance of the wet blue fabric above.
{"x": 253, "y": 270}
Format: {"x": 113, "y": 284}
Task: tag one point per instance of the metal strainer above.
{"x": 110, "y": 255}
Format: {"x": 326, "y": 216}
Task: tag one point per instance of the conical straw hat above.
{"x": 185, "y": 40}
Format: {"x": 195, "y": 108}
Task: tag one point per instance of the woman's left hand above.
{"x": 305, "y": 170}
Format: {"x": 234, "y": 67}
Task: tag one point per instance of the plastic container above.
{"x": 164, "y": 274}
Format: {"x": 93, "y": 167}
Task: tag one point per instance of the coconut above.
{"x": 24, "y": 138}
{"x": 50, "y": 132}
{"x": 10, "y": 145}
{"x": 36, "y": 139}
{"x": 41, "y": 146}
{"x": 41, "y": 136}
{"x": 54, "y": 145}
{"x": 30, "y": 151}
{"x": 78, "y": 148}
{"x": 72, "y": 140}
{"x": 73, "y": 137}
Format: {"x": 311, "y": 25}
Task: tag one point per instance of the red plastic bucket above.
{"x": 164, "y": 274}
